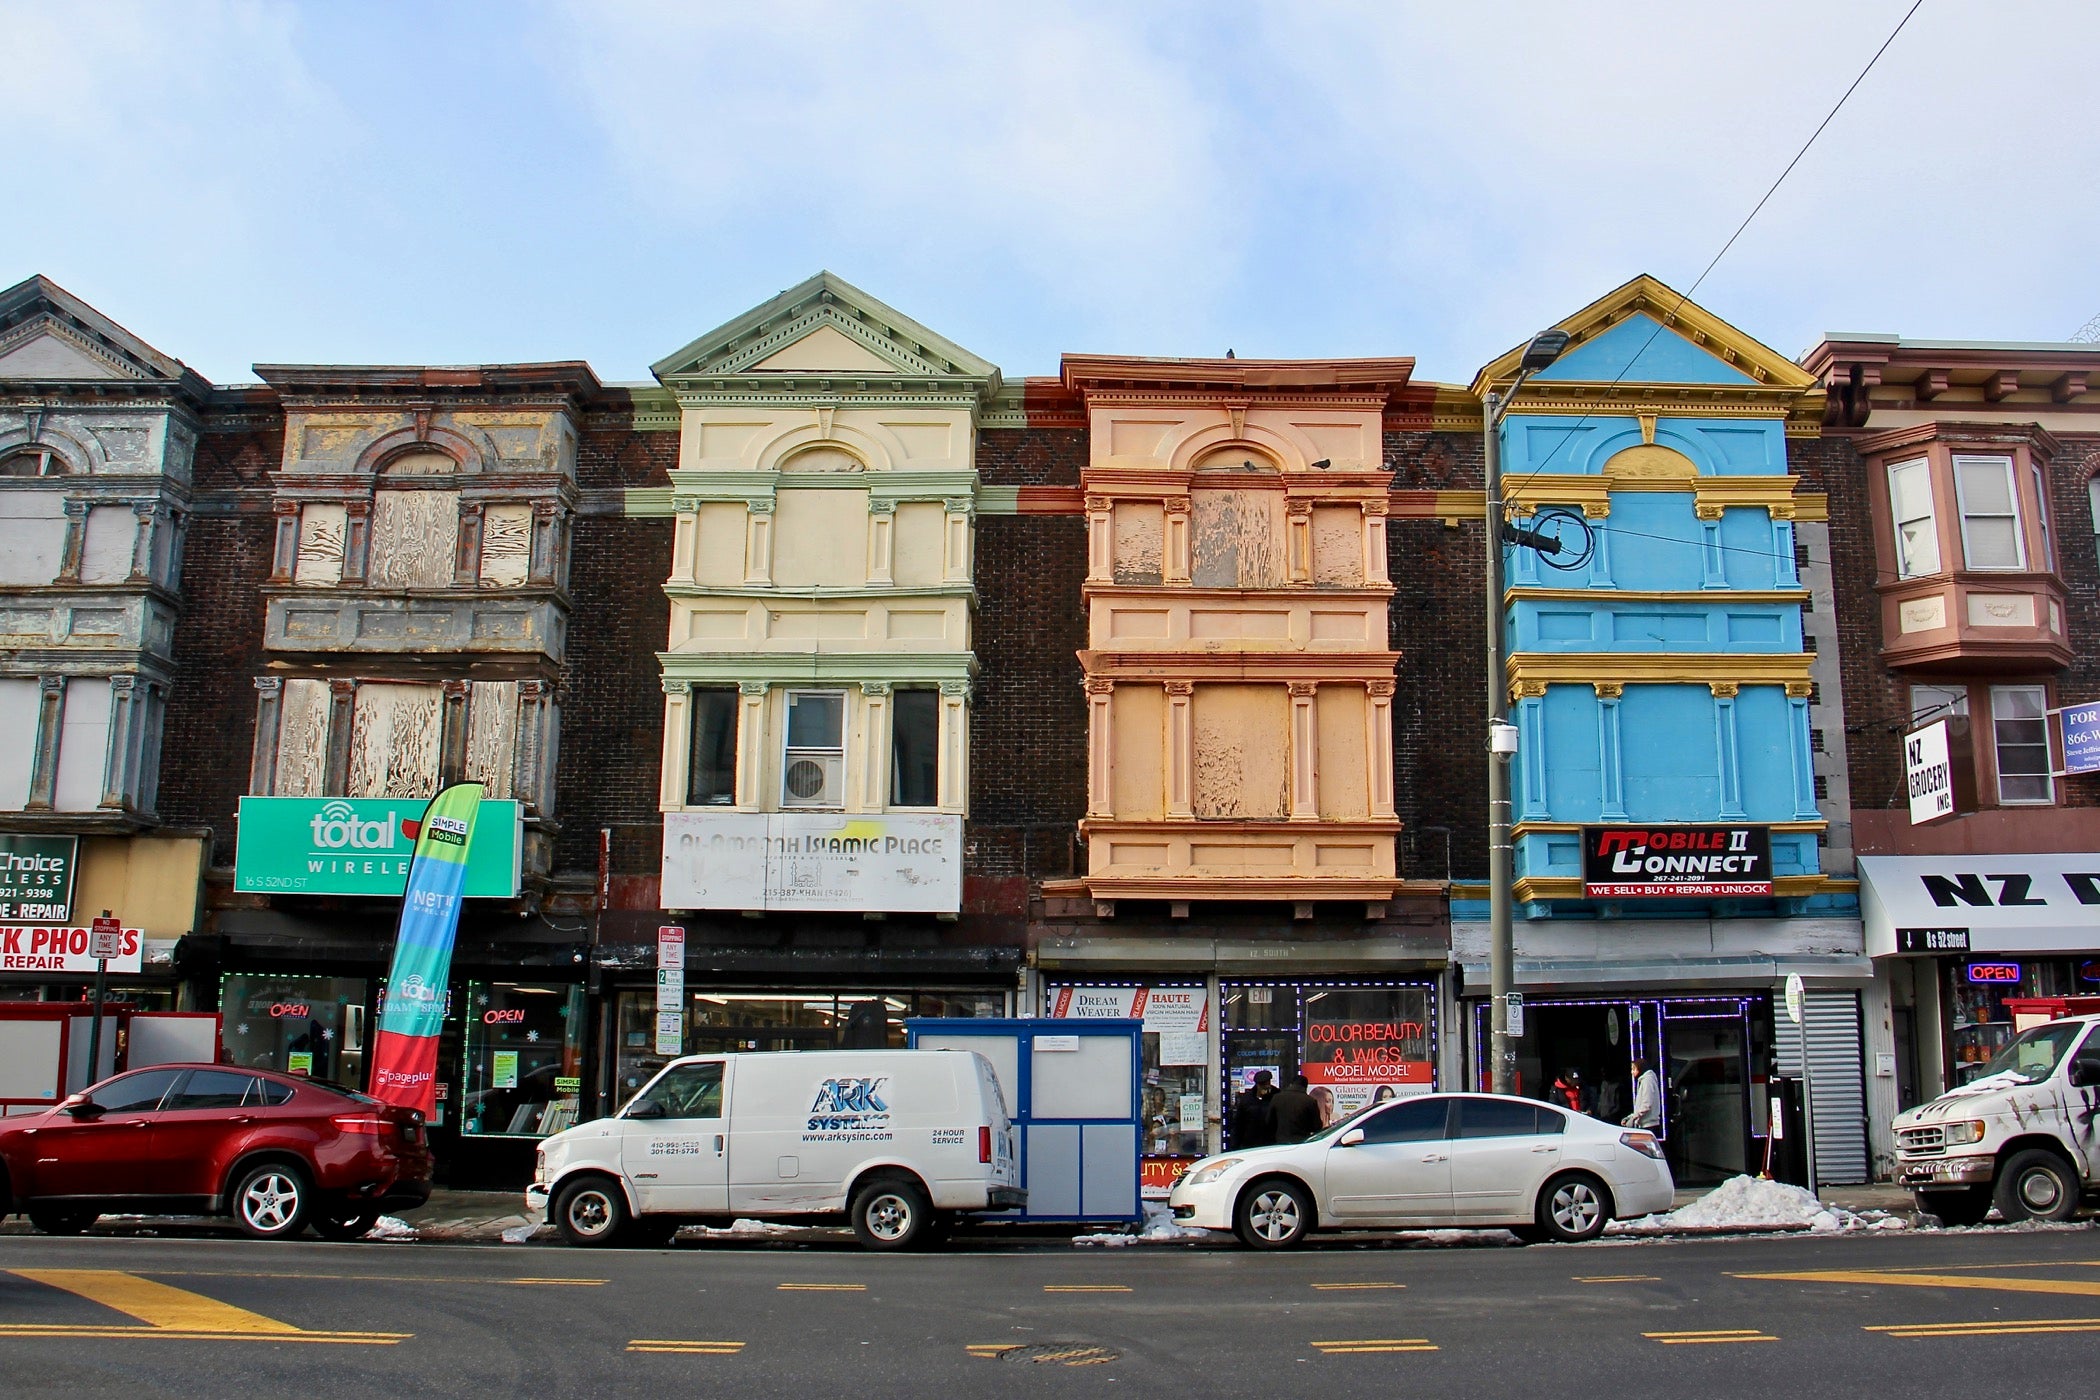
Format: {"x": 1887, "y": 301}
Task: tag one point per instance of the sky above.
{"x": 383, "y": 183}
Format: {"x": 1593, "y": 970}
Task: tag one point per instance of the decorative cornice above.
{"x": 1658, "y": 668}
{"x": 1220, "y": 668}
{"x": 1704, "y": 596}
{"x": 830, "y": 667}
{"x": 1522, "y": 829}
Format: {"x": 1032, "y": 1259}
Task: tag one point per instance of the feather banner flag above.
{"x": 404, "y": 1056}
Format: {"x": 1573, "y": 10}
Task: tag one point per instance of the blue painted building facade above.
{"x": 1673, "y": 677}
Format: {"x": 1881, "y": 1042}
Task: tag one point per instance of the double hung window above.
{"x": 2020, "y": 734}
{"x": 1917, "y": 525}
{"x": 1990, "y": 513}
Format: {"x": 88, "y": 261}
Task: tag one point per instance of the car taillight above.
{"x": 1643, "y": 1143}
{"x": 984, "y": 1143}
{"x": 363, "y": 1123}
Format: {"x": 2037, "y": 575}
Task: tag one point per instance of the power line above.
{"x": 1686, "y": 295}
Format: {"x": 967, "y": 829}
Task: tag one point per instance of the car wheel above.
{"x": 271, "y": 1201}
{"x": 590, "y": 1211}
{"x": 1273, "y": 1215}
{"x": 1956, "y": 1208}
{"x": 890, "y": 1214}
{"x": 55, "y": 1220}
{"x": 344, "y": 1222}
{"x": 1573, "y": 1207}
{"x": 2037, "y": 1185}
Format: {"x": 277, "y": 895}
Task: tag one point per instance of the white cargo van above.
{"x": 2024, "y": 1136}
{"x": 899, "y": 1142}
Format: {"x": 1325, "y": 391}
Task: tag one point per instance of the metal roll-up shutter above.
{"x": 1837, "y": 1080}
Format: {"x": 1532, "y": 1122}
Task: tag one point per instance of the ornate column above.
{"x": 285, "y": 557}
{"x": 678, "y": 744}
{"x": 1305, "y": 751}
{"x": 1611, "y": 762}
{"x": 262, "y": 759}
{"x": 452, "y": 732}
{"x": 466, "y": 559}
{"x": 119, "y": 753}
{"x": 357, "y": 539}
{"x": 1786, "y": 570}
{"x": 342, "y": 714}
{"x": 1530, "y": 697}
{"x": 1729, "y": 754}
{"x": 1100, "y": 757}
{"x": 548, "y": 519}
{"x": 882, "y": 535}
{"x": 750, "y": 744}
{"x": 875, "y": 751}
{"x": 758, "y": 541}
{"x": 50, "y": 719}
{"x": 1600, "y": 558}
{"x": 1800, "y": 749}
{"x": 1297, "y": 535}
{"x": 1379, "y": 746}
{"x": 76, "y": 511}
{"x": 1174, "y": 558}
{"x": 955, "y": 539}
{"x": 685, "y": 539}
{"x": 1181, "y": 750}
{"x": 1375, "y": 556}
{"x": 1713, "y": 563}
{"x": 1100, "y": 540}
{"x": 146, "y": 516}
{"x": 955, "y": 745}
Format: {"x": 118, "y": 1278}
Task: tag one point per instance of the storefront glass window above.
{"x": 524, "y": 1059}
{"x": 1356, "y": 1044}
{"x": 1980, "y": 1023}
{"x": 301, "y": 1025}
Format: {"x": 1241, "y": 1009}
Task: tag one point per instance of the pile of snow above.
{"x": 1159, "y": 1225}
{"x": 1755, "y": 1203}
{"x": 520, "y": 1234}
{"x": 748, "y": 1228}
{"x": 391, "y": 1227}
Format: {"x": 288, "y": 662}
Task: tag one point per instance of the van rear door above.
{"x": 1005, "y": 1167}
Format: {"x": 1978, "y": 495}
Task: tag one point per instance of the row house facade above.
{"x": 1968, "y": 588}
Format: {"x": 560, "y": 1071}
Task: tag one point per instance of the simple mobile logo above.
{"x": 449, "y": 830}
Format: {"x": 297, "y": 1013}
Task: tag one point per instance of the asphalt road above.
{"x": 1987, "y": 1313}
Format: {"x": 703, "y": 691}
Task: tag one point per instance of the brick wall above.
{"x": 210, "y": 733}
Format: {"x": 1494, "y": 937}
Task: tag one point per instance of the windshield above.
{"x": 1341, "y": 1125}
{"x": 2034, "y": 1056}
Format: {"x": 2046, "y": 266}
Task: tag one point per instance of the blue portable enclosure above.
{"x": 1071, "y": 1088}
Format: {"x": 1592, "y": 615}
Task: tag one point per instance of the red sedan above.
{"x": 274, "y": 1151}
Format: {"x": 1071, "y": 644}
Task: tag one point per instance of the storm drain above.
{"x": 1045, "y": 1353}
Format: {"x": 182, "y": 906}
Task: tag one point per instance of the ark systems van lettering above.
{"x": 849, "y": 1110}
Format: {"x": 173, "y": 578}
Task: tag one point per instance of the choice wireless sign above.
{"x": 1676, "y": 862}
{"x": 363, "y": 845}
{"x": 36, "y": 878}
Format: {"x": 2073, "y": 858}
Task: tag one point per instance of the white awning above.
{"x": 1981, "y": 904}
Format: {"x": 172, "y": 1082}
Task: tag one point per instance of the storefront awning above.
{"x": 1981, "y": 904}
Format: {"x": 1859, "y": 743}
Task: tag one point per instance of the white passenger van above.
{"x": 898, "y": 1142}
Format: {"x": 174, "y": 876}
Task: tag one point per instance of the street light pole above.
{"x": 1544, "y": 349}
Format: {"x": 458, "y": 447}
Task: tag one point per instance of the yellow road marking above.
{"x": 1086, "y": 1288}
{"x": 1075, "y": 1354}
{"x": 1352, "y": 1287}
{"x": 822, "y": 1287}
{"x": 168, "y": 1313}
{"x": 669, "y": 1347}
{"x": 1978, "y": 1268}
{"x": 542, "y": 1282}
{"x": 989, "y": 1350}
{"x": 1682, "y": 1339}
{"x": 2075, "y": 1287}
{"x": 369, "y": 1278}
{"x": 1366, "y": 1345}
{"x": 1994, "y": 1327}
{"x": 1619, "y": 1278}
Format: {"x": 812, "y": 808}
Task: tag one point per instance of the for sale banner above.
{"x": 1676, "y": 862}
{"x": 404, "y": 1056}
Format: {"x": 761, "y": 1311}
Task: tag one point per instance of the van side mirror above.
{"x": 1353, "y": 1138}
{"x": 2085, "y": 1072}
{"x": 644, "y": 1108}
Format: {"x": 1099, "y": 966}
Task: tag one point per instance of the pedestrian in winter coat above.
{"x": 1252, "y": 1123}
{"x": 1647, "y": 1098}
{"x": 1294, "y": 1112}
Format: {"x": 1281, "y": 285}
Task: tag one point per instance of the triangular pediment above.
{"x": 49, "y": 335}
{"x": 1646, "y": 333}
{"x": 823, "y": 328}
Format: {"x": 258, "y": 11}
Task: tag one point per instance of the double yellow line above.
{"x": 1996, "y": 1327}
{"x": 668, "y": 1347}
{"x": 1692, "y": 1339}
{"x": 1366, "y": 1345}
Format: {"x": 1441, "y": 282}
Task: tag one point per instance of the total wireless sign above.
{"x": 1676, "y": 862}
{"x": 362, "y": 846}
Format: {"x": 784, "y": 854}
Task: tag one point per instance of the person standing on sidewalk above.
{"x": 1252, "y": 1123}
{"x": 1295, "y": 1112}
{"x": 1647, "y": 1098}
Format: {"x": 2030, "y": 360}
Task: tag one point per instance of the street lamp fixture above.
{"x": 1544, "y": 349}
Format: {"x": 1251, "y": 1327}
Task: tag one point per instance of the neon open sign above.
{"x": 1994, "y": 972}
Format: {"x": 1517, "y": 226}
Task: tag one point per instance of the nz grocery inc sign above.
{"x": 362, "y": 846}
{"x": 1676, "y": 862}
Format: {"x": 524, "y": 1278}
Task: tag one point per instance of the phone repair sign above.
{"x": 34, "y": 948}
{"x": 1676, "y": 862}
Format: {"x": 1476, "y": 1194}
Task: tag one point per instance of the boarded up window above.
{"x": 1140, "y": 541}
{"x": 19, "y": 700}
{"x": 1338, "y": 545}
{"x": 320, "y": 562}
{"x": 1236, "y": 538}
{"x": 394, "y": 740}
{"x": 302, "y": 740}
{"x": 415, "y": 539}
{"x": 820, "y": 538}
{"x": 492, "y": 735}
{"x": 506, "y": 546}
{"x": 424, "y": 461}
{"x": 105, "y": 552}
{"x": 32, "y": 536}
{"x": 83, "y": 745}
{"x": 1243, "y": 744}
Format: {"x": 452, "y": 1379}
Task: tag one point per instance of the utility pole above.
{"x": 1544, "y": 349}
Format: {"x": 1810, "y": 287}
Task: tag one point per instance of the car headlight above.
{"x": 1643, "y": 1143}
{"x": 1968, "y": 1131}
{"x": 1205, "y": 1175}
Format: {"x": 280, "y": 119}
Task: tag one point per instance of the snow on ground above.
{"x": 1159, "y": 1225}
{"x": 391, "y": 1227}
{"x": 519, "y": 1234}
{"x": 1755, "y": 1203}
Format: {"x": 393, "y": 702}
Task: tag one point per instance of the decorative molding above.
{"x": 1658, "y": 668}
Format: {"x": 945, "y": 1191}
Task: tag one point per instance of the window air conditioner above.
{"x": 814, "y": 780}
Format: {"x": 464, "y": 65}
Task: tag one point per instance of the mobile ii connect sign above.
{"x": 361, "y": 845}
{"x": 1676, "y": 862}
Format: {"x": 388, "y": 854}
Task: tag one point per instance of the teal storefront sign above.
{"x": 36, "y": 878}
{"x": 360, "y": 845}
